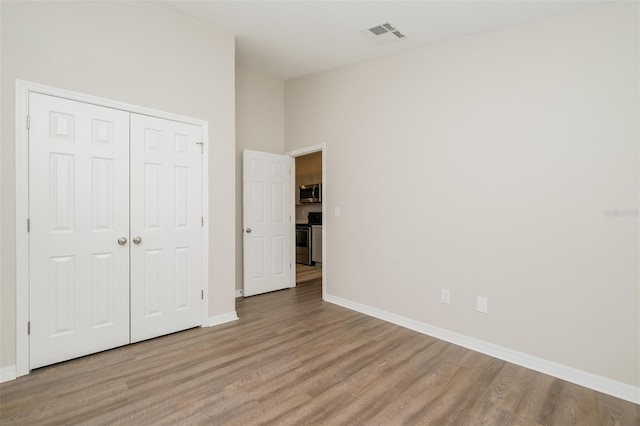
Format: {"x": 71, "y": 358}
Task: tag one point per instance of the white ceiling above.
{"x": 293, "y": 38}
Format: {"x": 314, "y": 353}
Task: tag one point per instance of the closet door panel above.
{"x": 166, "y": 228}
{"x": 78, "y": 208}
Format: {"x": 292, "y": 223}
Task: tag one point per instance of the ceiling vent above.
{"x": 383, "y": 33}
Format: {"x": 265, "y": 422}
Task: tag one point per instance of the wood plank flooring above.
{"x": 306, "y": 273}
{"x": 293, "y": 359}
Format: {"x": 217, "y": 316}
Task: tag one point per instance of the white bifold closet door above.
{"x": 78, "y": 209}
{"x": 166, "y": 185}
{"x": 115, "y": 228}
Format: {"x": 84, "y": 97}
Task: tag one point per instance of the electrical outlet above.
{"x": 482, "y": 305}
{"x": 445, "y": 296}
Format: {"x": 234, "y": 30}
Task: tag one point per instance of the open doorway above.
{"x": 309, "y": 172}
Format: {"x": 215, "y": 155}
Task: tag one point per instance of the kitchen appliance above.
{"x": 309, "y": 194}
{"x": 314, "y": 218}
{"x": 303, "y": 238}
{"x": 303, "y": 244}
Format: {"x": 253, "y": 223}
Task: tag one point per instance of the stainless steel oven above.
{"x": 303, "y": 244}
{"x": 303, "y": 238}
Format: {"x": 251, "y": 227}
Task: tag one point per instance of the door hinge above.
{"x": 29, "y": 328}
{"x": 28, "y": 121}
{"x": 201, "y": 146}
{"x": 202, "y": 294}
{"x": 28, "y": 225}
{"x": 201, "y": 220}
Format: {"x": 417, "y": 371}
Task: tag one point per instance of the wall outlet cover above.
{"x": 445, "y": 296}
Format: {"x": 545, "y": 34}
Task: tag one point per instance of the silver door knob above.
{"x": 122, "y": 241}
{"x": 248, "y": 230}
{"x": 137, "y": 240}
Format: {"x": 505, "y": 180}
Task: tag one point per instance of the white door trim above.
{"x": 297, "y": 153}
{"x": 23, "y": 88}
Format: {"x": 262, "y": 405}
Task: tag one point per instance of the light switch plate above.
{"x": 482, "y": 305}
{"x": 337, "y": 211}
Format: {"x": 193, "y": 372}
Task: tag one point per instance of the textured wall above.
{"x": 494, "y": 166}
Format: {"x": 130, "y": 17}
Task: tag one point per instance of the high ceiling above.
{"x": 293, "y": 38}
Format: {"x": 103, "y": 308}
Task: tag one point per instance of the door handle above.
{"x": 248, "y": 230}
{"x": 137, "y": 240}
{"x": 122, "y": 241}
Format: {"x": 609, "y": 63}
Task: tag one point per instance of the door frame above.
{"x": 23, "y": 88}
{"x": 298, "y": 153}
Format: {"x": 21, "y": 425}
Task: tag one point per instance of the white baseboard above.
{"x": 239, "y": 293}
{"x": 221, "y": 319}
{"x": 589, "y": 380}
{"x": 7, "y": 373}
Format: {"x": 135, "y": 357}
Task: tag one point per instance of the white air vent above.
{"x": 383, "y": 33}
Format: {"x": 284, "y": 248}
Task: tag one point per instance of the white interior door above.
{"x": 166, "y": 226}
{"x": 79, "y": 209}
{"x": 266, "y": 222}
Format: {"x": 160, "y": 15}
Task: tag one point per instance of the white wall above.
{"x": 142, "y": 53}
{"x": 259, "y": 127}
{"x": 2, "y": 206}
{"x": 489, "y": 163}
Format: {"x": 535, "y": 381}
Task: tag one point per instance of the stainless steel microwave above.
{"x": 310, "y": 193}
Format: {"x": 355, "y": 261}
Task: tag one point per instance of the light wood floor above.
{"x": 306, "y": 273}
{"x": 293, "y": 359}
